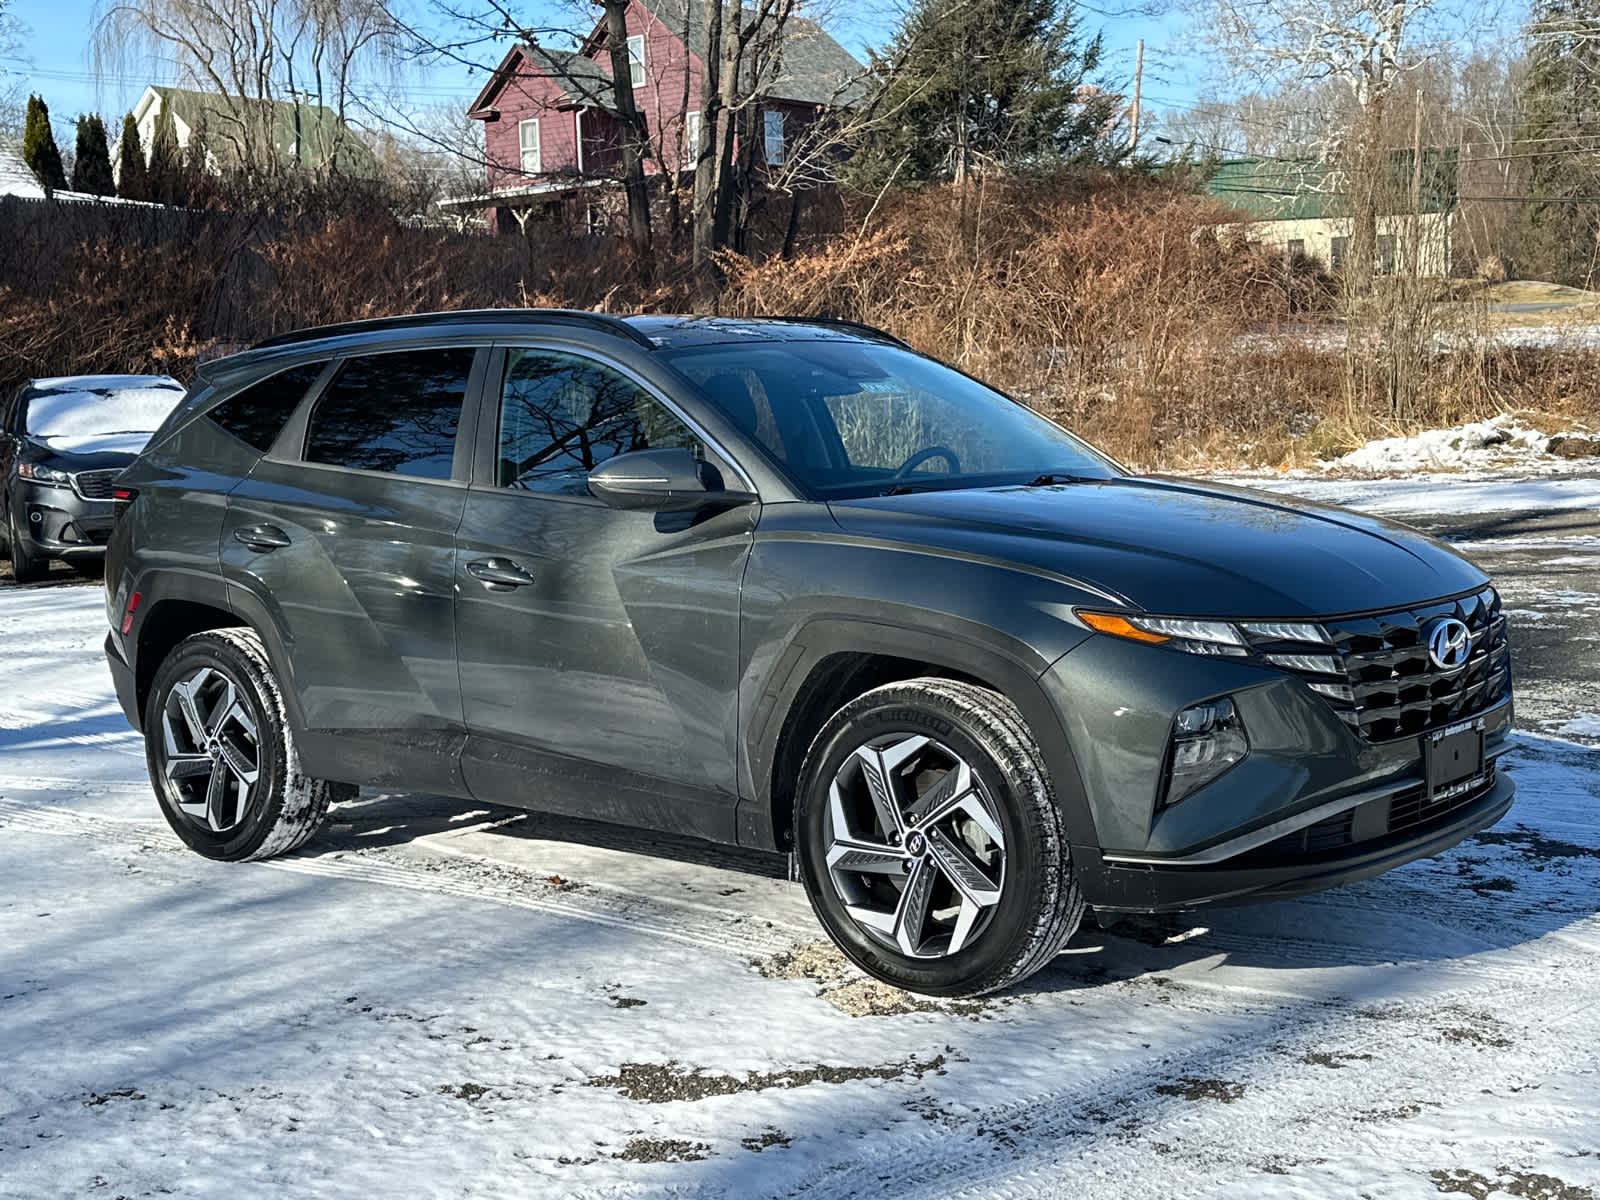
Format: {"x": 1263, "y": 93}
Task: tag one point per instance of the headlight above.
{"x": 1195, "y": 637}
{"x": 45, "y": 475}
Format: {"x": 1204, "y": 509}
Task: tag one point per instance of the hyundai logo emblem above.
{"x": 1449, "y": 644}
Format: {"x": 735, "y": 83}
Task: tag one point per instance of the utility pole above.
{"x": 1416, "y": 155}
{"x": 1138, "y": 83}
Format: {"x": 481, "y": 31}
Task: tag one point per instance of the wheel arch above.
{"x": 831, "y": 662}
{"x": 189, "y": 605}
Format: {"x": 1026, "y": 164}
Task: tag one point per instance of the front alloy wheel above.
{"x": 930, "y": 842}
{"x": 916, "y": 850}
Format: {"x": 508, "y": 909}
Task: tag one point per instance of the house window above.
{"x": 691, "y": 138}
{"x": 772, "y": 129}
{"x": 1336, "y": 251}
{"x": 1386, "y": 254}
{"x": 528, "y": 143}
{"x": 1296, "y": 248}
{"x": 636, "y": 59}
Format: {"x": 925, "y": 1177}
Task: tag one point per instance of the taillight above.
{"x": 120, "y": 499}
{"x": 127, "y": 613}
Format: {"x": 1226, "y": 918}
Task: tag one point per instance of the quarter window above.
{"x": 561, "y": 416}
{"x": 256, "y": 415}
{"x": 393, "y": 412}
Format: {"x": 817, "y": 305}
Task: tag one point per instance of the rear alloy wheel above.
{"x": 221, "y": 753}
{"x": 930, "y": 842}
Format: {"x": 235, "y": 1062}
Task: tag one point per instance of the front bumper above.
{"x": 59, "y": 523}
{"x": 1313, "y": 804}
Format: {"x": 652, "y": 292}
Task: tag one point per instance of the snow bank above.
{"x": 1501, "y": 440}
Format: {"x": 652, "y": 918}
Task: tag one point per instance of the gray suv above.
{"x": 787, "y": 585}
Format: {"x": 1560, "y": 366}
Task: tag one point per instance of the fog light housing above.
{"x": 1207, "y": 740}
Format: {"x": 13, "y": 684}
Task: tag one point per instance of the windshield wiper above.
{"x": 1051, "y": 478}
{"x": 906, "y": 489}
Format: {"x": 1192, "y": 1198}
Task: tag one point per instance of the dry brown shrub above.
{"x": 1107, "y": 303}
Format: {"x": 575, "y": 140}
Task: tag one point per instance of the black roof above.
{"x": 649, "y": 332}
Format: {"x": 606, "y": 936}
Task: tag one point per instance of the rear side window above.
{"x": 393, "y": 412}
{"x": 258, "y": 414}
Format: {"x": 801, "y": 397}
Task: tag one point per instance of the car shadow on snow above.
{"x": 1537, "y": 871}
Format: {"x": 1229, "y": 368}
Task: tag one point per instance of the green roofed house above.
{"x": 240, "y": 131}
{"x": 1303, "y": 207}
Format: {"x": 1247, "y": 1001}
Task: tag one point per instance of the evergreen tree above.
{"x": 91, "y": 167}
{"x": 132, "y": 174}
{"x": 973, "y": 85}
{"x": 1558, "y": 231}
{"x": 39, "y": 146}
{"x": 165, "y": 175}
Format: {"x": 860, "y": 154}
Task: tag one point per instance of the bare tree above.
{"x": 635, "y": 135}
{"x": 1364, "y": 45}
{"x": 314, "y": 55}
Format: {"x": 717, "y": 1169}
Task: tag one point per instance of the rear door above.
{"x": 598, "y": 648}
{"x": 343, "y": 539}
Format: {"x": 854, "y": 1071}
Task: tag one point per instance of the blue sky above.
{"x": 60, "y": 70}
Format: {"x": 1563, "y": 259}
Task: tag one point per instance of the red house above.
{"x": 551, "y": 136}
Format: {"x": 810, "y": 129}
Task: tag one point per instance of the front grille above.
{"x": 1375, "y": 671}
{"x": 96, "y": 485}
{"x": 1405, "y": 812}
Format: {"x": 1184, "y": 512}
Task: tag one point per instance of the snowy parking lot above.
{"x": 436, "y": 999}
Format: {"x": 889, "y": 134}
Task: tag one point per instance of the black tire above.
{"x": 283, "y": 807}
{"x": 27, "y": 565}
{"x": 1039, "y": 903}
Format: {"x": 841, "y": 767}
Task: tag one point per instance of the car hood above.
{"x": 80, "y": 448}
{"x": 1177, "y": 547}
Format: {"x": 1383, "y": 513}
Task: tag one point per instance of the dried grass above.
{"x": 1110, "y": 303}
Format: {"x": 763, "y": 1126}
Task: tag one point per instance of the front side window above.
{"x": 562, "y": 415}
{"x": 636, "y": 59}
{"x": 396, "y": 413}
{"x": 528, "y": 143}
{"x": 849, "y": 418}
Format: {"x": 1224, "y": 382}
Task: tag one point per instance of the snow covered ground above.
{"x": 438, "y": 1000}
{"x": 1498, "y": 465}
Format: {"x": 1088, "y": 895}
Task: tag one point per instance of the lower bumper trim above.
{"x": 1112, "y": 886}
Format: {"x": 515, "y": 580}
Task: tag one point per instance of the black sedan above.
{"x": 63, "y": 442}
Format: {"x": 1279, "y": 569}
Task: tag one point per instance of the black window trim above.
{"x": 486, "y": 475}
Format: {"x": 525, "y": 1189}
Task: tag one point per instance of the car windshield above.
{"x": 850, "y": 419}
{"x": 71, "y": 418}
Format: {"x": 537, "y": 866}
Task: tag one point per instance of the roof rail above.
{"x": 603, "y": 322}
{"x": 858, "y": 327}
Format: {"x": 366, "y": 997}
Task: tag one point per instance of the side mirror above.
{"x": 672, "y": 480}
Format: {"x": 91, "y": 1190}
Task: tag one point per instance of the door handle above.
{"x": 498, "y": 574}
{"x": 262, "y": 537}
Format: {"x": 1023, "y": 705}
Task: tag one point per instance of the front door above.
{"x": 598, "y": 648}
